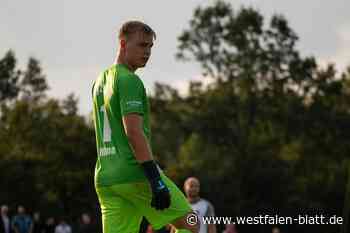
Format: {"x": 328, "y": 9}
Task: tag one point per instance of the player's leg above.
{"x": 176, "y": 213}
{"x": 119, "y": 215}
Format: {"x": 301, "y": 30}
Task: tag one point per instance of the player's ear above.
{"x": 122, "y": 43}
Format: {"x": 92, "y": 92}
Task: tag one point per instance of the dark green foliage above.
{"x": 47, "y": 150}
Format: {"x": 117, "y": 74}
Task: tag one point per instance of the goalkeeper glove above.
{"x": 160, "y": 192}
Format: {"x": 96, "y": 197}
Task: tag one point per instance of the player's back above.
{"x": 116, "y": 93}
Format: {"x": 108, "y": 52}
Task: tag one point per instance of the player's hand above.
{"x": 160, "y": 195}
{"x": 160, "y": 192}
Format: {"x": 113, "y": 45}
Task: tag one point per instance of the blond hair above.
{"x": 130, "y": 27}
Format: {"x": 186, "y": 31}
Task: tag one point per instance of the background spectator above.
{"x": 63, "y": 226}
{"x": 86, "y": 225}
{"x": 22, "y": 223}
{"x": 202, "y": 207}
{"x": 50, "y": 225}
{"x": 5, "y": 224}
{"x": 38, "y": 225}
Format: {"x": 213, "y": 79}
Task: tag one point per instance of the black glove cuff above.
{"x": 151, "y": 171}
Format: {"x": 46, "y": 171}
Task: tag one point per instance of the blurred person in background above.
{"x": 5, "y": 224}
{"x": 63, "y": 226}
{"x": 50, "y": 225}
{"x": 275, "y": 230}
{"x": 22, "y": 223}
{"x": 202, "y": 207}
{"x": 38, "y": 225}
{"x": 85, "y": 225}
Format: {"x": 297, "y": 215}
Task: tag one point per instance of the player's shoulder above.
{"x": 97, "y": 80}
{"x": 105, "y": 71}
{"x": 100, "y": 77}
{"x": 127, "y": 75}
{"x": 129, "y": 79}
{"x": 109, "y": 71}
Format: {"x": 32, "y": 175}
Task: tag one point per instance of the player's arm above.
{"x": 132, "y": 94}
{"x": 133, "y": 130}
{"x": 142, "y": 151}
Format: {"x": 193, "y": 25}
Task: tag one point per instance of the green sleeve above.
{"x": 131, "y": 95}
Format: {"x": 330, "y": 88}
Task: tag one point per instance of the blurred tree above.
{"x": 263, "y": 118}
{"x": 47, "y": 150}
{"x": 70, "y": 105}
{"x": 8, "y": 77}
{"x": 33, "y": 83}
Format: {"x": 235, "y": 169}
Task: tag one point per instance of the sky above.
{"x": 75, "y": 40}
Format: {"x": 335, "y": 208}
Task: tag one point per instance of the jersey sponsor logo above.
{"x": 105, "y": 151}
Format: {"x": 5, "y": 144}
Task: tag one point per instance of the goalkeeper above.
{"x": 128, "y": 182}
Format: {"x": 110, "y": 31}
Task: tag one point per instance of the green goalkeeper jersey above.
{"x": 116, "y": 93}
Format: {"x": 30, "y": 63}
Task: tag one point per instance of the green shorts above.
{"x": 124, "y": 205}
